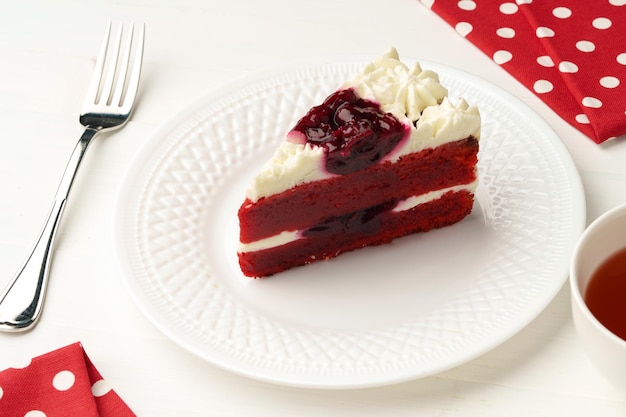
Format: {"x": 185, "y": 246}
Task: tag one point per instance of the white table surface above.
{"x": 47, "y": 52}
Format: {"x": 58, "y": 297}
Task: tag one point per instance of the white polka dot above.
{"x": 585, "y": 46}
{"x": 566, "y": 66}
{"x": 544, "y": 32}
{"x": 592, "y": 102}
{"x": 609, "y": 82}
{"x": 618, "y": 2}
{"x": 507, "y": 33}
{"x": 100, "y": 388}
{"x": 545, "y": 61}
{"x": 428, "y": 3}
{"x": 601, "y": 23}
{"x": 464, "y": 28}
{"x": 508, "y": 8}
{"x": 35, "y": 413}
{"x": 543, "y": 86}
{"x": 502, "y": 57}
{"x": 467, "y": 4}
{"x": 63, "y": 380}
{"x": 621, "y": 59}
{"x": 524, "y": 1}
{"x": 562, "y": 12}
{"x": 582, "y": 118}
{"x": 1, "y": 392}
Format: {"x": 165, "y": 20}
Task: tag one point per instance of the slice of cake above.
{"x": 386, "y": 155}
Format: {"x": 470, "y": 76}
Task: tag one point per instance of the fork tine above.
{"x": 119, "y": 87}
{"x": 96, "y": 78}
{"x": 133, "y": 82}
{"x": 113, "y": 55}
{"x": 115, "y": 81}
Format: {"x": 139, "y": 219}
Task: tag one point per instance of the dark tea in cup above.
{"x": 606, "y": 293}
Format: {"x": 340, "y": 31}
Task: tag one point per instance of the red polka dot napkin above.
{"x": 61, "y": 383}
{"x": 571, "y": 54}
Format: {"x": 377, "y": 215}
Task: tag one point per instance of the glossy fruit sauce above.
{"x": 355, "y": 132}
{"x": 606, "y": 293}
{"x": 366, "y": 222}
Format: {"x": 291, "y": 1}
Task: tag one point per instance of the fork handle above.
{"x": 22, "y": 300}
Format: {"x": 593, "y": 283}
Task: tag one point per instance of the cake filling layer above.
{"x": 363, "y": 221}
{"x": 449, "y": 209}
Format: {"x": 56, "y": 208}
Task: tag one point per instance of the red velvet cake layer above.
{"x": 415, "y": 174}
{"x": 449, "y": 209}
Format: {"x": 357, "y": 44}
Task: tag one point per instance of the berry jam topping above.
{"x": 364, "y": 222}
{"x": 355, "y": 132}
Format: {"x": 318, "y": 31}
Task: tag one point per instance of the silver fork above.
{"x": 108, "y": 105}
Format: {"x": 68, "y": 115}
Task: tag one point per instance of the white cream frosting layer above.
{"x": 415, "y": 96}
{"x": 417, "y": 200}
{"x": 292, "y": 235}
{"x": 292, "y": 164}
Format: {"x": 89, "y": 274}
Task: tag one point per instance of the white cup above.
{"x": 605, "y": 236}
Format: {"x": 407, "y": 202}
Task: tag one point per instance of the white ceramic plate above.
{"x": 416, "y": 307}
